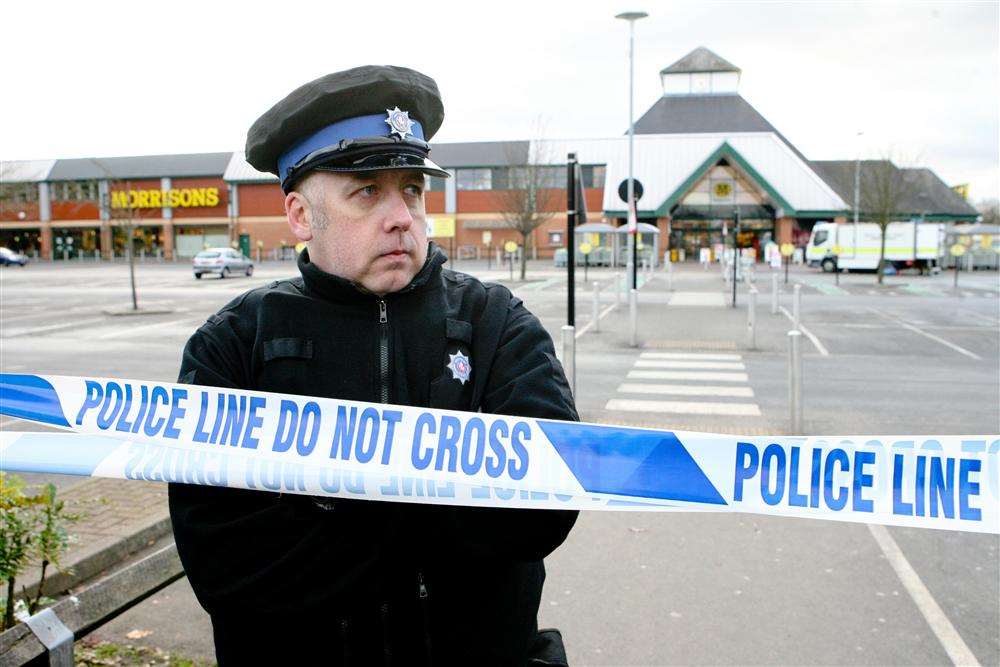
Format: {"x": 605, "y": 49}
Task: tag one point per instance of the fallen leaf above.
{"x": 138, "y": 634}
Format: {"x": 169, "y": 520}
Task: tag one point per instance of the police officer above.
{"x": 373, "y": 317}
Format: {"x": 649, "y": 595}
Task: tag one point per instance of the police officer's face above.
{"x": 366, "y": 227}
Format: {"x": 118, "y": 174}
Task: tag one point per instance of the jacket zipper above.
{"x": 383, "y": 353}
{"x": 425, "y": 612}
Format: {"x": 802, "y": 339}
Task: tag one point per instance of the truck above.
{"x": 907, "y": 245}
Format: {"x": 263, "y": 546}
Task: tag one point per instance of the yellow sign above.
{"x": 441, "y": 227}
{"x": 986, "y": 241}
{"x": 510, "y": 246}
{"x": 962, "y": 189}
{"x": 585, "y": 248}
{"x": 787, "y": 249}
{"x": 595, "y": 238}
{"x": 180, "y": 198}
{"x": 957, "y": 250}
{"x": 723, "y": 190}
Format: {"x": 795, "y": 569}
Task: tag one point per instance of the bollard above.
{"x": 618, "y": 289}
{"x": 795, "y": 380}
{"x": 258, "y": 255}
{"x": 774, "y": 293}
{"x": 796, "y": 305}
{"x": 633, "y": 316}
{"x": 142, "y": 254}
{"x": 596, "y": 307}
{"x": 97, "y": 255}
{"x": 35, "y": 253}
{"x": 159, "y": 254}
{"x": 80, "y": 255}
{"x": 65, "y": 255}
{"x": 752, "y": 320}
{"x": 569, "y": 356}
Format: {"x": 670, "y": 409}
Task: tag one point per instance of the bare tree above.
{"x": 528, "y": 198}
{"x": 884, "y": 189}
{"x": 990, "y": 210}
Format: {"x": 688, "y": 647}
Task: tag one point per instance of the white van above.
{"x": 907, "y": 245}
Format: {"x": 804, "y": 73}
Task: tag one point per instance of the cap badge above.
{"x": 459, "y": 366}
{"x": 399, "y": 122}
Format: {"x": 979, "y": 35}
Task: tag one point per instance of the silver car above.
{"x": 222, "y": 261}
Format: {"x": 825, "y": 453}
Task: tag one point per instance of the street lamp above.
{"x": 631, "y": 265}
{"x": 857, "y": 191}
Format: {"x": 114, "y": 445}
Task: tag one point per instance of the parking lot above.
{"x": 915, "y": 356}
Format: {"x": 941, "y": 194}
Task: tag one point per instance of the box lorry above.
{"x": 907, "y": 245}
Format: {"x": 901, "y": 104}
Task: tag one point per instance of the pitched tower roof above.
{"x": 700, "y": 60}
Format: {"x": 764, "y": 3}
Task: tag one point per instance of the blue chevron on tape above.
{"x": 631, "y": 462}
{"x": 30, "y": 397}
{"x": 47, "y": 452}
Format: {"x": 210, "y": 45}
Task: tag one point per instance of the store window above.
{"x": 434, "y": 184}
{"x": 474, "y": 179}
{"x": 593, "y": 176}
{"x": 555, "y": 238}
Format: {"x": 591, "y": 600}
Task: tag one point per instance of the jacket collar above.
{"x": 335, "y": 288}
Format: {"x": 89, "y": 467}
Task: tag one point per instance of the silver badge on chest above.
{"x": 459, "y": 366}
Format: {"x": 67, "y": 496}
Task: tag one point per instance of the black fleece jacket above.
{"x": 300, "y": 580}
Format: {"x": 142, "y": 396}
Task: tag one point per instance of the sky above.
{"x": 96, "y": 79}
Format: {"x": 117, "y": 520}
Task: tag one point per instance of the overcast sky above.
{"x": 90, "y": 79}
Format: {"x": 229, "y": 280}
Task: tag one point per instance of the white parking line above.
{"x": 688, "y": 375}
{"x": 809, "y": 334}
{"x": 936, "y": 339}
{"x": 685, "y": 390}
{"x": 586, "y": 327}
{"x": 684, "y": 407}
{"x": 690, "y": 355}
{"x": 52, "y": 327}
{"x": 952, "y": 642}
{"x": 708, "y": 365}
{"x": 127, "y": 330}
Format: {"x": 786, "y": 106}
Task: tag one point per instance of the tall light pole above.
{"x": 632, "y": 263}
{"x": 857, "y": 193}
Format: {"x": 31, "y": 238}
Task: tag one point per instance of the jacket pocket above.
{"x": 287, "y": 348}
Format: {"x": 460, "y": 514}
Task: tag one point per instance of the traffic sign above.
{"x": 585, "y": 248}
{"x": 957, "y": 250}
{"x": 787, "y": 249}
{"x": 623, "y": 190}
{"x": 510, "y": 246}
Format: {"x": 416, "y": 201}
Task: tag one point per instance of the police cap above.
{"x": 363, "y": 119}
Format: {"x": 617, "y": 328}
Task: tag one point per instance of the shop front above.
{"x": 189, "y": 240}
{"x": 75, "y": 242}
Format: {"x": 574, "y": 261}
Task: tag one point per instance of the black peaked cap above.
{"x": 355, "y": 92}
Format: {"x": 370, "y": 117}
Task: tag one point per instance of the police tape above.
{"x": 297, "y": 444}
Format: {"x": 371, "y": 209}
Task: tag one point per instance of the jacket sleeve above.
{"x": 247, "y": 549}
{"x": 525, "y": 380}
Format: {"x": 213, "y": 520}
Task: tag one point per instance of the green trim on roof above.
{"x": 727, "y": 151}
{"x": 816, "y": 215}
{"x": 639, "y": 213}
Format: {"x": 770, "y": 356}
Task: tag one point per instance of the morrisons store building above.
{"x": 702, "y": 153}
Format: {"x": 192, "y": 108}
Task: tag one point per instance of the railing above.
{"x": 51, "y": 632}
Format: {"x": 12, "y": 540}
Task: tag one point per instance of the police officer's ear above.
{"x": 298, "y": 211}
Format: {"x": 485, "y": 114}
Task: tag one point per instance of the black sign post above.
{"x": 636, "y": 196}
{"x": 571, "y": 239}
{"x": 736, "y": 249}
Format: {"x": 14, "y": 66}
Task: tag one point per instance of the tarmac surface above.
{"x": 915, "y": 356}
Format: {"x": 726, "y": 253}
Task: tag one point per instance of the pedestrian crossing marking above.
{"x": 684, "y": 407}
{"x": 685, "y": 390}
{"x": 690, "y": 355}
{"x": 688, "y": 375}
{"x": 714, "y": 365}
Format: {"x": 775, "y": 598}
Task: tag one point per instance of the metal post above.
{"x": 633, "y": 214}
{"x": 796, "y": 305}
{"x": 569, "y": 355}
{"x": 596, "y": 307}
{"x": 65, "y": 255}
{"x": 633, "y": 312}
{"x": 774, "y": 293}
{"x": 159, "y": 254}
{"x": 571, "y": 239}
{"x": 258, "y": 255}
{"x": 97, "y": 255}
{"x": 795, "y": 380}
{"x": 670, "y": 275}
{"x": 752, "y": 320}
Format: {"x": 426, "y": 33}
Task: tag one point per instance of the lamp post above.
{"x": 857, "y": 194}
{"x": 633, "y": 251}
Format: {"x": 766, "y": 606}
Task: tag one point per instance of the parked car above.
{"x": 8, "y": 256}
{"x": 222, "y": 261}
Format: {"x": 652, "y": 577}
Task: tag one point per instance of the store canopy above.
{"x": 595, "y": 227}
{"x": 642, "y": 228}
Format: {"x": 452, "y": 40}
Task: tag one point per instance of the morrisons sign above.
{"x": 180, "y": 198}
